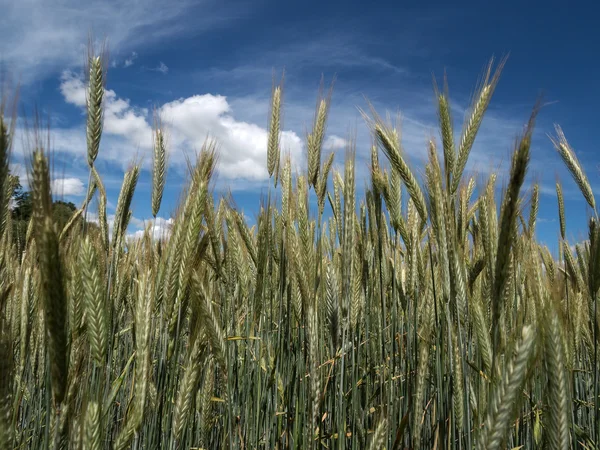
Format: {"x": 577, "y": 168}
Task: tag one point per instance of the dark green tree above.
{"x": 62, "y": 212}
{"x": 22, "y": 207}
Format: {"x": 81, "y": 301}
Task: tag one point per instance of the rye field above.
{"x": 418, "y": 313}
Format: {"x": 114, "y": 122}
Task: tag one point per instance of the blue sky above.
{"x": 209, "y": 66}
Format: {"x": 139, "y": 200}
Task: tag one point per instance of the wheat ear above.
{"x": 568, "y": 156}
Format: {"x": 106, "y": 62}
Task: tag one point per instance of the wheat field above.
{"x": 421, "y": 315}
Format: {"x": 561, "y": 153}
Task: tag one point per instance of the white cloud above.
{"x": 61, "y": 187}
{"x": 67, "y": 187}
{"x": 334, "y": 142}
{"x": 159, "y": 230}
{"x": 73, "y": 89}
{"x": 120, "y": 117}
{"x": 92, "y": 217}
{"x": 137, "y": 223}
{"x": 162, "y": 68}
{"x": 582, "y": 243}
{"x": 242, "y": 145}
{"x": 129, "y": 61}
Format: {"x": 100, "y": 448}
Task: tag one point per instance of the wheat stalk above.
{"x": 159, "y": 165}
{"x": 274, "y": 131}
{"x": 570, "y": 159}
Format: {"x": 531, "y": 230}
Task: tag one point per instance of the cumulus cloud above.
{"x": 72, "y": 89}
{"x": 334, "y": 142}
{"x": 159, "y": 230}
{"x": 120, "y": 117}
{"x": 68, "y": 187}
{"x": 242, "y": 145}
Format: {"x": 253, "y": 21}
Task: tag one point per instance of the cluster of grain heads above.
{"x": 582, "y": 276}
{"x": 418, "y": 313}
{"x": 503, "y": 402}
{"x": 509, "y": 212}
{"x": 53, "y": 293}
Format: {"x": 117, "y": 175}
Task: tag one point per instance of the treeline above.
{"x": 21, "y": 210}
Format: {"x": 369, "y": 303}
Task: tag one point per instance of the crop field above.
{"x": 418, "y": 313}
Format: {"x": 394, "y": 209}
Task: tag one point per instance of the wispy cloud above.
{"x": 129, "y": 61}
{"x": 162, "y": 68}
{"x": 38, "y": 38}
{"x": 126, "y": 63}
{"x": 331, "y": 51}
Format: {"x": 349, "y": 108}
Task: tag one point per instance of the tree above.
{"x": 23, "y": 203}
{"x": 62, "y": 212}
{"x": 22, "y": 211}
{"x": 22, "y": 208}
